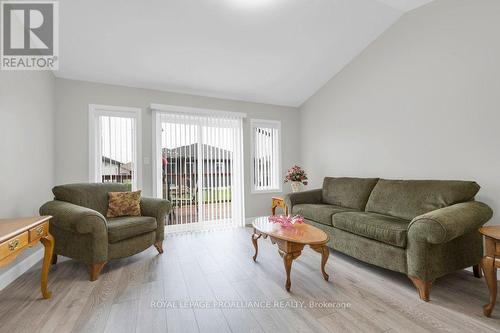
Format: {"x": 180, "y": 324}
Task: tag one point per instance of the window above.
{"x": 266, "y": 155}
{"x": 114, "y": 134}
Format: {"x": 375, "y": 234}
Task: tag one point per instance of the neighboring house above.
{"x": 113, "y": 170}
{"x": 180, "y": 166}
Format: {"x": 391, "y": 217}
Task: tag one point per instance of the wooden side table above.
{"x": 279, "y": 202}
{"x": 17, "y": 235}
{"x": 490, "y": 263}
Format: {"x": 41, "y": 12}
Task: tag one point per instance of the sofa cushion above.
{"x": 410, "y": 198}
{"x": 320, "y": 213}
{"x": 386, "y": 229}
{"x": 90, "y": 195}
{"x": 120, "y": 228}
{"x": 347, "y": 192}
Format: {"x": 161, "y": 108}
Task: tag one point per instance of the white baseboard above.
{"x": 20, "y": 268}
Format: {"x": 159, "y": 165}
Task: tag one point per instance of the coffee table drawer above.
{"x": 13, "y": 245}
{"x": 39, "y": 231}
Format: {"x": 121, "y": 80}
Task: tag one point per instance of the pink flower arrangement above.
{"x": 286, "y": 221}
{"x": 296, "y": 174}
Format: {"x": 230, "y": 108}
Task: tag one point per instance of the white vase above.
{"x": 296, "y": 186}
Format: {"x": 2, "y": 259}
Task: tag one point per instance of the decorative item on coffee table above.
{"x": 286, "y": 220}
{"x": 297, "y": 178}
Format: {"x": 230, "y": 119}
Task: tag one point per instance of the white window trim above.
{"x": 97, "y": 110}
{"x": 156, "y": 151}
{"x": 271, "y": 123}
{"x": 199, "y": 111}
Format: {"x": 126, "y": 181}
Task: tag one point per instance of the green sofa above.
{"x": 422, "y": 228}
{"x": 82, "y": 231}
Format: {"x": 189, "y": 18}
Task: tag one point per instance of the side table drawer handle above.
{"x": 13, "y": 244}
{"x": 39, "y": 231}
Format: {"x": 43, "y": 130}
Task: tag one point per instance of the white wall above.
{"x": 74, "y": 97}
{"x": 26, "y": 147}
{"x": 422, "y": 101}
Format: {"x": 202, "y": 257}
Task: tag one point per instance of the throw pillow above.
{"x": 124, "y": 204}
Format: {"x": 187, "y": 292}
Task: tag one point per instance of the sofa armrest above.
{"x": 445, "y": 224}
{"x": 310, "y": 197}
{"x": 157, "y": 208}
{"x": 74, "y": 218}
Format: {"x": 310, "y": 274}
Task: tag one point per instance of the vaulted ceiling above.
{"x": 270, "y": 51}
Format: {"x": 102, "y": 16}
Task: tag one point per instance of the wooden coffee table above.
{"x": 291, "y": 241}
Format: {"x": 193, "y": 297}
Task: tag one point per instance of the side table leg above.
{"x": 476, "y": 269}
{"x": 48, "y": 243}
{"x": 490, "y": 274}
{"x": 254, "y": 241}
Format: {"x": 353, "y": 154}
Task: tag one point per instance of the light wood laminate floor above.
{"x": 219, "y": 266}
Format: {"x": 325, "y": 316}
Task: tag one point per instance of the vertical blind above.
{"x": 201, "y": 170}
{"x": 266, "y": 153}
{"x": 114, "y": 133}
{"x": 117, "y": 150}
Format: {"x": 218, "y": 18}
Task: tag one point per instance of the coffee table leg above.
{"x": 323, "y": 249}
{"x": 254, "y": 241}
{"x": 324, "y": 258}
{"x": 287, "y": 260}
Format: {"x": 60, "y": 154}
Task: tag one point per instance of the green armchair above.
{"x": 82, "y": 232}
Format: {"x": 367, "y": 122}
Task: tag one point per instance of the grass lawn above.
{"x": 219, "y": 194}
{"x": 213, "y": 195}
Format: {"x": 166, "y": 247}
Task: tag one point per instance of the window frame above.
{"x": 96, "y": 111}
{"x": 276, "y": 124}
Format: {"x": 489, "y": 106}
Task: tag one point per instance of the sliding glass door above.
{"x": 199, "y": 169}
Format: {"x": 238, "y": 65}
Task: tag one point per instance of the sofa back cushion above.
{"x": 90, "y": 195}
{"x": 407, "y": 199}
{"x": 347, "y": 192}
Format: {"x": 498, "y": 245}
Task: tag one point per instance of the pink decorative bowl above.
{"x": 286, "y": 221}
